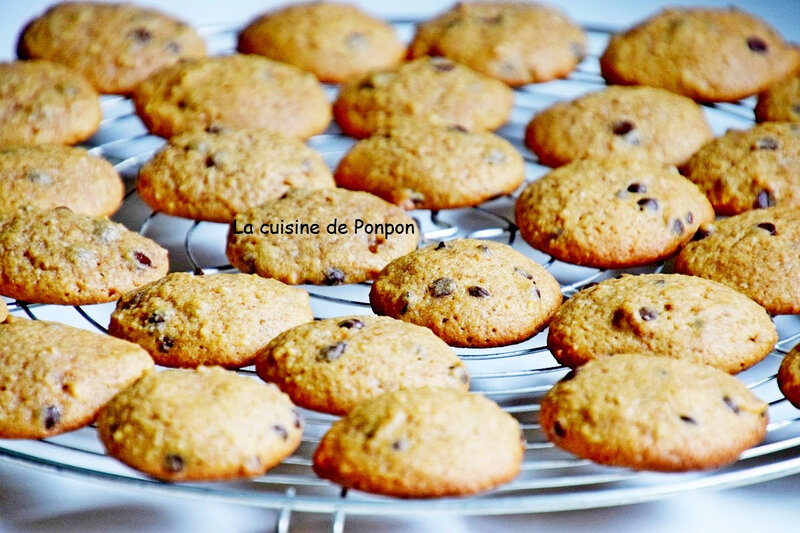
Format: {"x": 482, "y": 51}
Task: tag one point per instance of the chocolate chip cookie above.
{"x": 780, "y": 102}
{"x": 789, "y": 376}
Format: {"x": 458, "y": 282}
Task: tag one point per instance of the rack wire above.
{"x": 515, "y": 376}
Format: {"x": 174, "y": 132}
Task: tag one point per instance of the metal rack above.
{"x": 514, "y": 376}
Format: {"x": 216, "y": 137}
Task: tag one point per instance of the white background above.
{"x": 33, "y": 501}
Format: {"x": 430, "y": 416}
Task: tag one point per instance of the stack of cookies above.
{"x": 637, "y": 179}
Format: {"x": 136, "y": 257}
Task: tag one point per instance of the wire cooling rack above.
{"x": 515, "y": 376}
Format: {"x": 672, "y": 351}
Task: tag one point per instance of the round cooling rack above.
{"x": 514, "y": 376}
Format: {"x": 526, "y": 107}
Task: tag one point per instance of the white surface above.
{"x": 42, "y": 502}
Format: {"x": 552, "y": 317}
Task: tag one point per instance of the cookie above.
{"x": 432, "y": 89}
{"x": 332, "y": 365}
{"x": 335, "y": 42}
{"x": 237, "y": 91}
{"x": 221, "y": 319}
{"x": 653, "y": 413}
{"x": 706, "y": 54}
{"x": 60, "y": 257}
{"x": 321, "y": 236}
{"x": 637, "y": 122}
{"x": 611, "y": 212}
{"x": 780, "y": 102}
{"x": 114, "y": 46}
{"x": 202, "y": 424}
{"x": 789, "y": 376}
{"x": 425, "y": 166}
{"x": 49, "y": 176}
{"x": 517, "y": 43}
{"x": 55, "y": 378}
{"x": 212, "y": 175}
{"x": 751, "y": 169}
{"x": 422, "y": 443}
{"x": 754, "y": 252}
{"x": 683, "y": 317}
{"x": 3, "y": 310}
{"x": 468, "y": 292}
{"x": 42, "y": 102}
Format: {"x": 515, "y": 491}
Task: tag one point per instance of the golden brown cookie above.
{"x": 220, "y": 319}
{"x": 42, "y": 102}
{"x": 3, "y": 310}
{"x": 611, "y": 212}
{"x": 212, "y": 175}
{"x": 517, "y": 43}
{"x": 114, "y": 46}
{"x": 704, "y": 53}
{"x": 684, "y": 317}
{"x": 202, "y": 424}
{"x": 653, "y": 413}
{"x": 469, "y": 292}
{"x": 789, "y": 376}
{"x": 60, "y": 257}
{"x": 755, "y": 252}
{"x": 422, "y": 443}
{"x": 332, "y": 365}
{"x": 237, "y": 91}
{"x": 335, "y": 42}
{"x": 433, "y": 89}
{"x": 638, "y": 122}
{"x": 55, "y": 378}
{"x": 751, "y": 169}
{"x": 417, "y": 165}
{"x": 49, "y": 176}
{"x": 780, "y": 102}
{"x": 321, "y": 236}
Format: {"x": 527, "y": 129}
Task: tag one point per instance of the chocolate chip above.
{"x": 535, "y": 293}
{"x": 458, "y": 127}
{"x": 141, "y": 34}
{"x": 333, "y": 352}
{"x": 156, "y": 318}
{"x": 688, "y": 419}
{"x": 677, "y": 227}
{"x": 442, "y": 287}
{"x": 559, "y": 429}
{"x": 769, "y": 227}
{"x": 173, "y": 463}
{"x": 166, "y": 343}
{"x": 757, "y": 44}
{"x": 142, "y": 259}
{"x": 127, "y": 303}
{"x": 298, "y": 419}
{"x": 52, "y": 416}
{"x": 442, "y": 245}
{"x": 215, "y": 128}
{"x": 39, "y": 177}
{"x": 689, "y": 217}
{"x": 209, "y": 161}
{"x": 478, "y": 292}
{"x": 494, "y": 156}
{"x": 333, "y": 276}
{"x": 764, "y": 199}
{"x": 356, "y": 40}
{"x": 281, "y": 431}
{"x": 731, "y": 404}
{"x": 648, "y": 203}
{"x": 637, "y": 188}
{"x": 366, "y": 84}
{"x": 173, "y": 47}
{"x": 767, "y": 143}
{"x": 522, "y": 273}
{"x": 351, "y": 323}
{"x": 622, "y": 127}
{"x": 440, "y": 64}
{"x": 648, "y": 314}
{"x": 484, "y": 249}
{"x": 400, "y": 445}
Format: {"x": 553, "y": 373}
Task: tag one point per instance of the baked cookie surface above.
{"x": 3, "y": 310}
{"x": 780, "y": 102}
{"x": 424, "y": 166}
{"x": 468, "y": 292}
{"x": 335, "y": 42}
{"x": 114, "y": 46}
{"x": 611, "y": 213}
{"x": 237, "y": 91}
{"x": 422, "y": 443}
{"x": 202, "y": 424}
{"x": 334, "y": 364}
{"x": 184, "y": 320}
{"x": 433, "y": 89}
{"x": 789, "y": 376}
{"x": 43, "y": 102}
{"x": 653, "y": 413}
{"x": 355, "y": 236}
{"x": 212, "y": 175}
{"x": 705, "y": 54}
{"x": 517, "y": 43}
{"x": 638, "y": 122}
{"x": 60, "y": 257}
{"x": 683, "y": 317}
{"x": 755, "y": 253}
{"x": 55, "y": 378}
{"x": 751, "y": 169}
{"x": 49, "y": 176}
